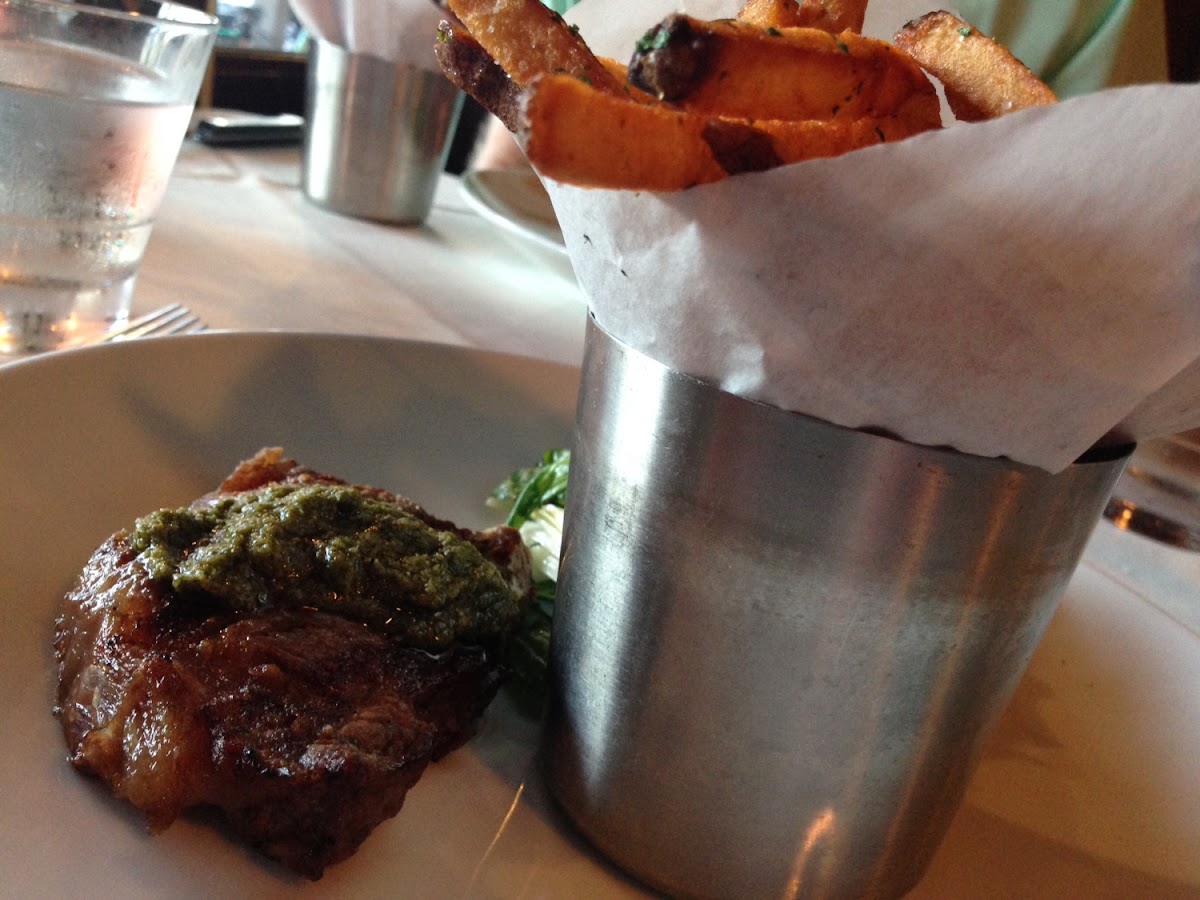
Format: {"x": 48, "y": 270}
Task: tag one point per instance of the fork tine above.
{"x": 187, "y": 323}
{"x": 159, "y": 322}
{"x": 136, "y": 326}
{"x": 172, "y": 319}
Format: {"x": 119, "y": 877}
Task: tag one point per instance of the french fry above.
{"x": 738, "y": 70}
{"x": 782, "y": 13}
{"x": 845, "y": 14}
{"x": 794, "y": 141}
{"x": 527, "y": 39}
{"x": 834, "y": 16}
{"x": 573, "y": 133}
{"x": 701, "y": 101}
{"x": 473, "y": 71}
{"x": 620, "y": 71}
{"x": 982, "y": 78}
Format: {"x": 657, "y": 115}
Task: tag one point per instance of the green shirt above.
{"x": 1078, "y": 46}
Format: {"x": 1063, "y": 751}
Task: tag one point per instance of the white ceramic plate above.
{"x": 1091, "y": 786}
{"x": 515, "y": 200}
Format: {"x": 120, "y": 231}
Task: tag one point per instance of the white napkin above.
{"x": 1011, "y": 288}
{"x": 402, "y": 31}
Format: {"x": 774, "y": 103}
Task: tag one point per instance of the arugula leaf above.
{"x": 523, "y": 494}
{"x": 540, "y": 485}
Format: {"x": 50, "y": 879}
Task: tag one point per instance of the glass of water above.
{"x": 95, "y": 99}
{"x": 1159, "y": 494}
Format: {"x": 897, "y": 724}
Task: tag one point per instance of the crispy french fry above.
{"x": 846, "y": 14}
{"x": 620, "y": 71}
{"x": 798, "y": 141}
{"x": 527, "y": 39}
{"x": 782, "y": 13}
{"x": 737, "y": 70}
{"x": 745, "y": 146}
{"x": 982, "y": 78}
{"x": 472, "y": 69}
{"x": 574, "y": 133}
{"x": 704, "y": 100}
{"x": 834, "y": 16}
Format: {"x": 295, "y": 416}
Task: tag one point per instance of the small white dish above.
{"x": 515, "y": 200}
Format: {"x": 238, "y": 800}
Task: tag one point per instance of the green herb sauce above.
{"x": 332, "y": 548}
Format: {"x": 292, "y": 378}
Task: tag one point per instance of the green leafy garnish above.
{"x": 535, "y": 498}
{"x": 527, "y": 489}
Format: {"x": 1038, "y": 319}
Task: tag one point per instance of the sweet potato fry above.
{"x": 527, "y": 39}
{"x": 834, "y": 16}
{"x": 574, "y": 133}
{"x": 845, "y": 14}
{"x": 982, "y": 78}
{"x": 472, "y": 70}
{"x": 782, "y": 13}
{"x": 752, "y": 146}
{"x": 798, "y": 141}
{"x": 738, "y": 70}
{"x": 620, "y": 71}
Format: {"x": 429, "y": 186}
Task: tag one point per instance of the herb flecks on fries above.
{"x": 786, "y": 81}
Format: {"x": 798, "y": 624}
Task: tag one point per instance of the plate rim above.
{"x": 482, "y": 201}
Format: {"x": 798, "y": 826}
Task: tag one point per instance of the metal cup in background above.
{"x": 779, "y": 644}
{"x": 377, "y": 135}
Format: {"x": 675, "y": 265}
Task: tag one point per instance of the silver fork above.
{"x": 174, "y": 318}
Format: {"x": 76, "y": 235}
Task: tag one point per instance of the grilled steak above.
{"x": 305, "y": 723}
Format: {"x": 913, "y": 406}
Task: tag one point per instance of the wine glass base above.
{"x": 1158, "y": 496}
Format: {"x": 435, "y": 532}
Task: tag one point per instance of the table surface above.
{"x": 239, "y": 243}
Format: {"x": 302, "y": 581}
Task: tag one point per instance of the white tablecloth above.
{"x": 239, "y": 243}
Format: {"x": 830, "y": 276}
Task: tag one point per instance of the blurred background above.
{"x": 260, "y": 58}
{"x": 260, "y": 64}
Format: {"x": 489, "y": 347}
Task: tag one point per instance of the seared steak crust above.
{"x": 305, "y": 728}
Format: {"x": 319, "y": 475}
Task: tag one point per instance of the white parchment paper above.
{"x": 402, "y": 31}
{"x": 1011, "y": 288}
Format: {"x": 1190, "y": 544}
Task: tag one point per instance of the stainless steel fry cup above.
{"x": 376, "y": 135}
{"x": 778, "y": 644}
